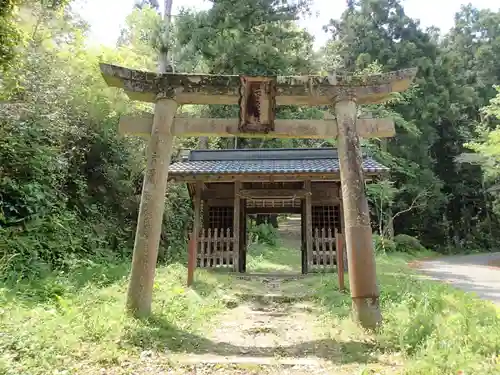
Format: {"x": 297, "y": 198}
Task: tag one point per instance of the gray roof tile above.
{"x": 266, "y": 161}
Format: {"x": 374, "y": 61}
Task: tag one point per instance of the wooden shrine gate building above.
{"x": 232, "y": 184}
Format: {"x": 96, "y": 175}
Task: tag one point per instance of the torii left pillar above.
{"x": 149, "y": 223}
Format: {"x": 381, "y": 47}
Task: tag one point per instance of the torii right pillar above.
{"x": 346, "y": 95}
{"x": 358, "y": 233}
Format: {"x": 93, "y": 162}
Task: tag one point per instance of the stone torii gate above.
{"x": 258, "y": 98}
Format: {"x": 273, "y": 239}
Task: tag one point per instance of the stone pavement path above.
{"x": 471, "y": 273}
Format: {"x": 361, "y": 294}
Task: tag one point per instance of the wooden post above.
{"x": 303, "y": 245}
{"x": 236, "y": 225}
{"x": 243, "y": 234}
{"x": 358, "y": 233}
{"x": 193, "y": 247}
{"x": 149, "y": 223}
{"x": 309, "y": 228}
{"x": 339, "y": 249}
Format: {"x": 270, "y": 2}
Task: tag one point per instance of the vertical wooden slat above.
{"x": 202, "y": 247}
{"x": 191, "y": 259}
{"x": 339, "y": 245}
{"x": 215, "y": 254}
{"x": 242, "y": 247}
{"x": 208, "y": 255}
{"x": 331, "y": 248}
{"x": 245, "y": 233}
{"x": 316, "y": 249}
{"x": 324, "y": 248}
{"x": 309, "y": 234}
{"x": 229, "y": 244}
{"x": 236, "y": 225}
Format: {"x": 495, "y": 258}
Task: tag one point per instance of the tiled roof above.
{"x": 265, "y": 161}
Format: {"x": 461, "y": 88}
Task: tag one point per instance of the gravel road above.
{"x": 471, "y": 273}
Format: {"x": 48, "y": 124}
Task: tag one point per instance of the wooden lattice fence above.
{"x": 216, "y": 248}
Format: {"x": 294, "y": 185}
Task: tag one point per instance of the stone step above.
{"x": 281, "y": 277}
{"x": 273, "y": 297}
{"x": 205, "y": 359}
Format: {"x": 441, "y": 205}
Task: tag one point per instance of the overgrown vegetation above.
{"x": 75, "y": 322}
{"x": 436, "y": 329}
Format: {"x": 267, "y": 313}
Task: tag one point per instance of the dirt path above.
{"x": 274, "y": 328}
{"x": 269, "y": 333}
{"x": 471, "y": 273}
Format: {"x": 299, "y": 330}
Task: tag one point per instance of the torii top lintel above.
{"x": 225, "y": 89}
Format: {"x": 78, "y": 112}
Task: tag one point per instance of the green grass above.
{"x": 76, "y": 323}
{"x": 434, "y": 328}
{"x": 263, "y": 258}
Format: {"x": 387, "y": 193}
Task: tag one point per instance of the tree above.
{"x": 434, "y": 119}
{"x": 141, "y": 4}
{"x": 11, "y": 35}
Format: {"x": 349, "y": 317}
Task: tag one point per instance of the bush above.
{"x": 264, "y": 234}
{"x": 383, "y": 245}
{"x": 407, "y": 244}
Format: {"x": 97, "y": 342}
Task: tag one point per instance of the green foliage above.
{"x": 76, "y": 319}
{"x": 384, "y": 245}
{"x": 434, "y": 119}
{"x": 62, "y": 161}
{"x": 69, "y": 185}
{"x": 264, "y": 234}
{"x": 408, "y": 244}
{"x": 273, "y": 258}
{"x": 10, "y": 35}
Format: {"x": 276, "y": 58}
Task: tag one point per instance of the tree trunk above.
{"x": 164, "y": 65}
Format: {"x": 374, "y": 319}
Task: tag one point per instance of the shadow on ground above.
{"x": 159, "y": 334}
{"x": 52, "y": 286}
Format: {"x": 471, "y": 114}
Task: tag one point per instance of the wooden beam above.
{"x": 303, "y": 236}
{"x": 236, "y": 226}
{"x": 205, "y": 127}
{"x": 242, "y": 237}
{"x": 273, "y": 210}
{"x": 272, "y": 193}
{"x": 261, "y": 178}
